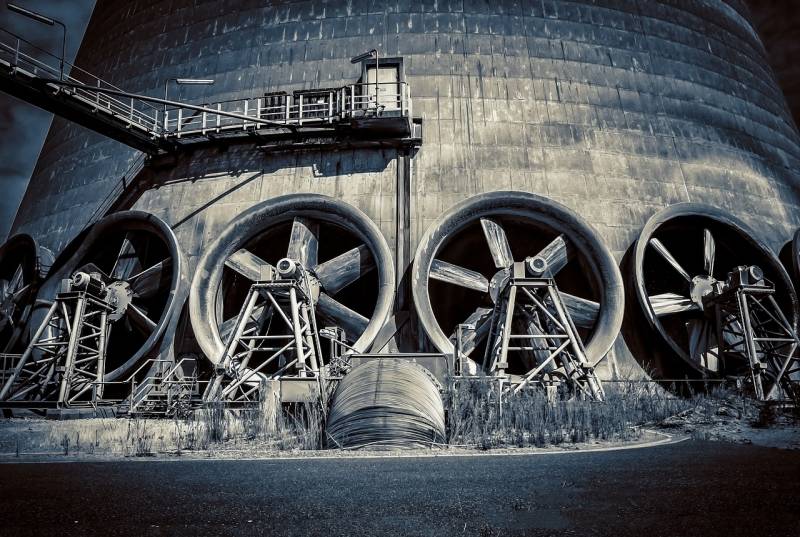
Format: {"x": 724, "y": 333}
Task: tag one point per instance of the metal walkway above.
{"x": 156, "y": 126}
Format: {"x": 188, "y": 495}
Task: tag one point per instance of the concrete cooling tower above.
{"x": 479, "y": 180}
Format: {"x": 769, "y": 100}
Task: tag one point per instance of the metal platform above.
{"x": 351, "y": 114}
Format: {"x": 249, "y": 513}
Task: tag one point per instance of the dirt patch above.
{"x": 738, "y": 420}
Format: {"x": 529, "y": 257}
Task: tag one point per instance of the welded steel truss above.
{"x": 64, "y": 364}
{"x": 531, "y": 320}
{"x": 751, "y": 328}
{"x": 275, "y": 337}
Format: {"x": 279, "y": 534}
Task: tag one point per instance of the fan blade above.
{"x": 344, "y": 269}
{"x": 127, "y": 262}
{"x": 447, "y": 272}
{"x": 140, "y": 320}
{"x": 479, "y": 329}
{"x": 20, "y": 295}
{"x": 250, "y": 266}
{"x": 498, "y": 243}
{"x": 555, "y": 256}
{"x": 669, "y": 303}
{"x": 16, "y": 281}
{"x": 147, "y": 282}
{"x": 582, "y": 311}
{"x": 709, "y": 252}
{"x": 353, "y": 323}
{"x": 661, "y": 249}
{"x": 702, "y": 344}
{"x": 303, "y": 244}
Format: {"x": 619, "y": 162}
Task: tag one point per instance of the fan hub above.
{"x": 701, "y": 287}
{"x": 118, "y": 296}
{"x": 498, "y": 283}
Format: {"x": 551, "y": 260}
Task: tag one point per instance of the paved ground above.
{"x": 691, "y": 488}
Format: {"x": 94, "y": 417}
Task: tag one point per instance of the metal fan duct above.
{"x": 685, "y": 254}
{"x": 137, "y": 256}
{"x": 338, "y": 245}
{"x": 461, "y": 259}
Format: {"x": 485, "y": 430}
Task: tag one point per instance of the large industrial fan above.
{"x": 274, "y": 274}
{"x": 720, "y": 299}
{"x": 521, "y": 285}
{"x": 23, "y": 266}
{"x": 790, "y": 257}
{"x": 105, "y": 305}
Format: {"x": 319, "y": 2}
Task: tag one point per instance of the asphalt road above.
{"x": 691, "y": 488}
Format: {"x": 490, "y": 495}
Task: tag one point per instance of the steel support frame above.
{"x": 65, "y": 361}
{"x": 539, "y": 297}
{"x": 288, "y": 304}
{"x": 757, "y": 328}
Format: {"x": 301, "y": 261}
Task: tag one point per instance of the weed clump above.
{"x": 534, "y": 417}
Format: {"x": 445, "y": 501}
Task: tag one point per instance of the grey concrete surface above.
{"x": 686, "y": 489}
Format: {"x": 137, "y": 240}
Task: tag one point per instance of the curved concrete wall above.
{"x": 615, "y": 108}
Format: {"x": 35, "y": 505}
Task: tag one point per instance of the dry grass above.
{"x": 265, "y": 426}
{"x": 475, "y": 418}
{"x": 529, "y": 418}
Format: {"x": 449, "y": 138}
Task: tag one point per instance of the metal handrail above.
{"x": 127, "y": 109}
{"x": 303, "y": 108}
{"x": 337, "y": 103}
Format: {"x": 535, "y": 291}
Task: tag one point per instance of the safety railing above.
{"x": 301, "y": 109}
{"x": 21, "y": 54}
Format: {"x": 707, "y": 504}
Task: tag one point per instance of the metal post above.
{"x": 244, "y": 123}
{"x": 101, "y": 357}
{"x": 63, "y": 48}
{"x": 755, "y": 364}
{"x": 377, "y": 72}
{"x": 72, "y": 349}
{"x": 298, "y": 336}
{"x": 300, "y": 110}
